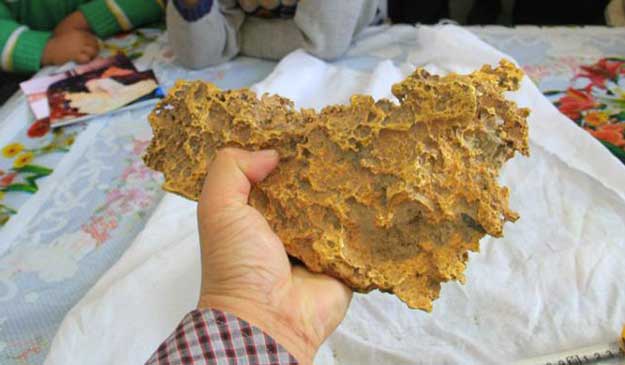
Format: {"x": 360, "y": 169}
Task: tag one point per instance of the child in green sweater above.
{"x": 35, "y": 33}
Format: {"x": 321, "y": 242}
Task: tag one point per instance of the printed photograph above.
{"x": 36, "y": 89}
{"x": 100, "y": 92}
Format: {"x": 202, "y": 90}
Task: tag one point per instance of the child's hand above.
{"x": 73, "y": 22}
{"x": 77, "y": 46}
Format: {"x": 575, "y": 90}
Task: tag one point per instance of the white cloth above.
{"x": 555, "y": 281}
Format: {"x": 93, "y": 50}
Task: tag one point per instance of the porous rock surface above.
{"x": 378, "y": 194}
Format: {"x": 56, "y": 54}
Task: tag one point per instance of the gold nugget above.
{"x": 380, "y": 195}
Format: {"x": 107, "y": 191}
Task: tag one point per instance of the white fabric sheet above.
{"x": 555, "y": 281}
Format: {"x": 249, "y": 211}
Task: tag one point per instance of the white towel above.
{"x": 555, "y": 281}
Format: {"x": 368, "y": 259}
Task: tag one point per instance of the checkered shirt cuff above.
{"x": 213, "y": 337}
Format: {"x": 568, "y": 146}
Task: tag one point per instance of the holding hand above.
{"x": 73, "y": 22}
{"x": 77, "y": 46}
{"x": 245, "y": 268}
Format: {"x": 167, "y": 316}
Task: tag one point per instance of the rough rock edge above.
{"x": 379, "y": 195}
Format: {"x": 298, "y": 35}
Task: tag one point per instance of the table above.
{"x": 92, "y": 193}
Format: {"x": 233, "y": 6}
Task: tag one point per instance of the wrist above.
{"x": 282, "y": 327}
{"x": 75, "y": 21}
{"x": 47, "y": 53}
{"x": 80, "y": 21}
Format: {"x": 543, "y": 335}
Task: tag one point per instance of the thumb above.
{"x": 230, "y": 176}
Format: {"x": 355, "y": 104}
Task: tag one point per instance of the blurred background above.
{"x": 504, "y": 12}
{"x": 468, "y": 12}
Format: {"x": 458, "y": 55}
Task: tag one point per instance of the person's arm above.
{"x": 253, "y": 306}
{"x": 324, "y": 28}
{"x": 108, "y": 17}
{"x": 207, "y": 337}
{"x": 203, "y": 33}
{"x": 21, "y": 48}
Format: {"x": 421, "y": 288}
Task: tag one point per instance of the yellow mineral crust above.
{"x": 378, "y": 194}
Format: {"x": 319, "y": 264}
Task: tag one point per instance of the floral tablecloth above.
{"x": 72, "y": 199}
{"x": 595, "y": 101}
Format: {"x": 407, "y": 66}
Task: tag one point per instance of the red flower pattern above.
{"x": 602, "y": 71}
{"x": 611, "y": 133}
{"x": 588, "y": 110}
{"x": 39, "y": 128}
{"x": 7, "y": 179}
{"x": 576, "y": 101}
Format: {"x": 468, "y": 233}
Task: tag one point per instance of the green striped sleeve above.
{"x": 108, "y": 17}
{"x": 5, "y": 13}
{"x": 22, "y": 48}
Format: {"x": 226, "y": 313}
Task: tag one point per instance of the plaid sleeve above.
{"x": 212, "y": 337}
